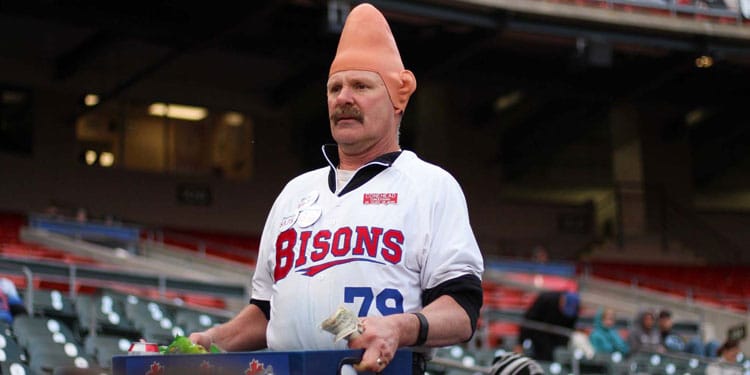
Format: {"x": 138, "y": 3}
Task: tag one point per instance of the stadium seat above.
{"x": 72, "y": 370}
{"x": 54, "y": 303}
{"x": 10, "y": 351}
{"x": 192, "y": 321}
{"x": 46, "y": 363}
{"x": 15, "y": 368}
{"x": 106, "y": 313}
{"x": 103, "y": 347}
{"x": 29, "y": 329}
{"x": 12, "y": 357}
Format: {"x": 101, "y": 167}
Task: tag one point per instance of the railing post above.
{"x": 162, "y": 286}
{"x": 29, "y": 290}
{"x": 72, "y": 281}
{"x": 575, "y": 363}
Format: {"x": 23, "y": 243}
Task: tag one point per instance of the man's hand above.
{"x": 380, "y": 339}
{"x": 201, "y": 338}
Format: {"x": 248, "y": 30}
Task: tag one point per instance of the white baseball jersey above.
{"x": 402, "y": 229}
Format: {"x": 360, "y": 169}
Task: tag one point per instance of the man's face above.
{"x": 665, "y": 323}
{"x": 360, "y": 111}
{"x": 648, "y": 321}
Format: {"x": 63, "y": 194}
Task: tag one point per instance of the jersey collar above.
{"x": 362, "y": 175}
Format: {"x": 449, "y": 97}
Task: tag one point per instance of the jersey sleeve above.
{"x": 452, "y": 249}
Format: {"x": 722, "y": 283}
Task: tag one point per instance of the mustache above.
{"x": 347, "y": 111}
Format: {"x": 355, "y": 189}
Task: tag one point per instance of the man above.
{"x": 644, "y": 336}
{"x": 673, "y": 341}
{"x": 379, "y": 231}
{"x": 551, "y": 319}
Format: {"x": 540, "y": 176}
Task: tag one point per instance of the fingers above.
{"x": 201, "y": 339}
{"x": 379, "y": 338}
{"x": 373, "y": 361}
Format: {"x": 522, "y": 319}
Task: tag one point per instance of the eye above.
{"x": 332, "y": 89}
{"x": 360, "y": 86}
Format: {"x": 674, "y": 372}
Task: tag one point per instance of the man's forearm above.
{"x": 448, "y": 324}
{"x": 246, "y": 331}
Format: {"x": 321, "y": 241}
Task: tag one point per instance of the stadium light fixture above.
{"x": 234, "y": 118}
{"x": 178, "y": 111}
{"x": 90, "y": 157}
{"x": 106, "y": 159}
{"x": 704, "y": 62}
{"x": 91, "y": 100}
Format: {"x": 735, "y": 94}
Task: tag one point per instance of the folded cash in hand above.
{"x": 343, "y": 324}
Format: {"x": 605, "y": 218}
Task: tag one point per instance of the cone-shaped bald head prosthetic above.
{"x": 367, "y": 44}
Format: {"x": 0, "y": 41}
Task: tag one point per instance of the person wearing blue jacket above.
{"x": 604, "y": 337}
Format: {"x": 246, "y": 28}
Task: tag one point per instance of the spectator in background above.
{"x": 675, "y": 342}
{"x": 558, "y": 311}
{"x": 604, "y": 337}
{"x": 644, "y": 336}
{"x": 11, "y": 304}
{"x": 727, "y": 363}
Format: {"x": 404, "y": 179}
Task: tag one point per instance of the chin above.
{"x": 346, "y": 136}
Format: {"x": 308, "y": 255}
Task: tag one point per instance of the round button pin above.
{"x": 308, "y": 199}
{"x": 309, "y": 215}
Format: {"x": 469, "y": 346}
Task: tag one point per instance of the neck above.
{"x": 353, "y": 159}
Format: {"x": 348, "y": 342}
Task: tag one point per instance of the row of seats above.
{"x": 566, "y": 361}
{"x": 727, "y": 286}
{"x": 85, "y": 332}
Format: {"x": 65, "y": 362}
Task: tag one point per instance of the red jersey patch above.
{"x": 380, "y": 198}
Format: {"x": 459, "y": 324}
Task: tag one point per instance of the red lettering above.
{"x": 302, "y": 257}
{"x": 342, "y": 242}
{"x": 320, "y": 242}
{"x": 284, "y": 253}
{"x": 392, "y": 242}
{"x": 367, "y": 238}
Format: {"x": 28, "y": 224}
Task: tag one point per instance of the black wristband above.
{"x": 424, "y": 326}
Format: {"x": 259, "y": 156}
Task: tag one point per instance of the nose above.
{"x": 344, "y": 95}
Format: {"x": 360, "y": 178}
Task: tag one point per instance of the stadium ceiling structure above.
{"x": 269, "y": 49}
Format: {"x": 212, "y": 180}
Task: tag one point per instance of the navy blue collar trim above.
{"x": 364, "y": 173}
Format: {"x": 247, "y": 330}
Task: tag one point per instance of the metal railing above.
{"x": 716, "y": 8}
{"x": 106, "y": 277}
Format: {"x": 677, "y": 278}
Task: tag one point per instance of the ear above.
{"x": 408, "y": 85}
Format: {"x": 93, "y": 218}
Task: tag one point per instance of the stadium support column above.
{"x": 652, "y": 171}
{"x": 668, "y": 172}
{"x": 432, "y": 117}
{"x": 627, "y": 169}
